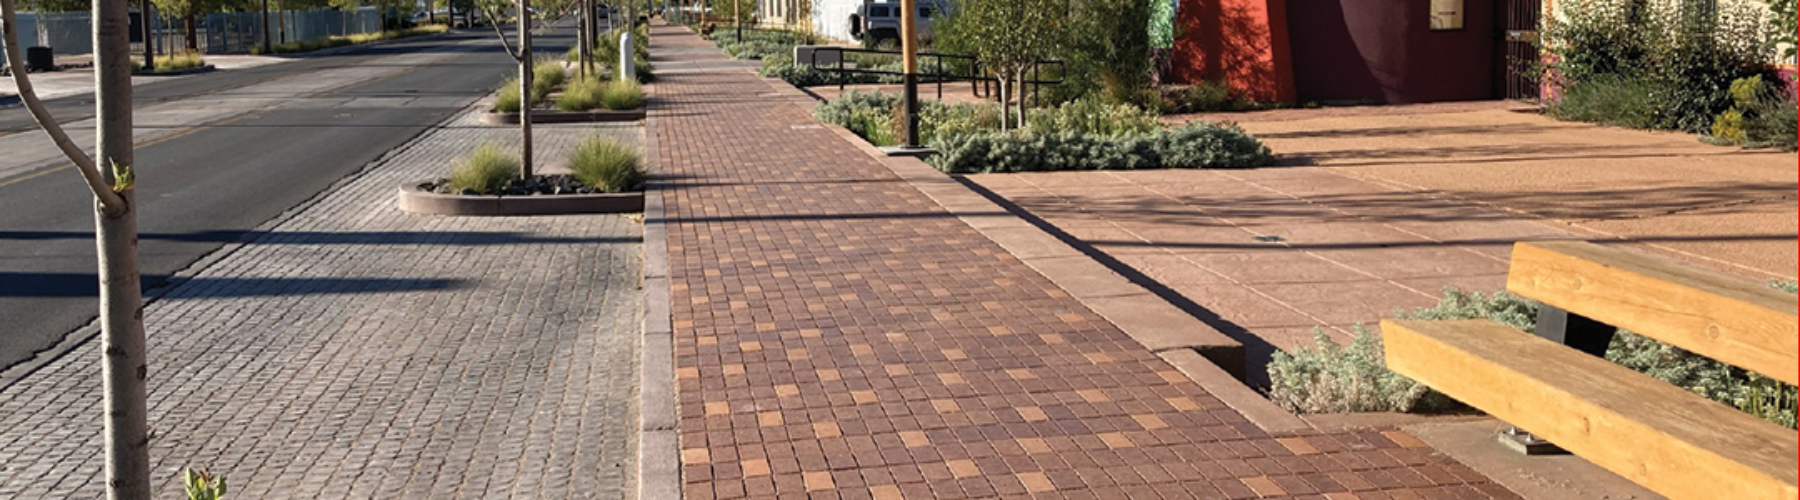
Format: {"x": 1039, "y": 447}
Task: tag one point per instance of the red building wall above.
{"x": 1243, "y": 42}
{"x": 1385, "y": 51}
{"x": 1379, "y": 51}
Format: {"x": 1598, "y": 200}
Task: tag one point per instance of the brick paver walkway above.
{"x": 355, "y": 351}
{"x": 839, "y": 335}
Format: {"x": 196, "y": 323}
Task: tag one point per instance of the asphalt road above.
{"x": 215, "y": 184}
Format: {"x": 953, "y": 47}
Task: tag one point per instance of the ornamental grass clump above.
{"x": 506, "y": 100}
{"x": 607, "y": 165}
{"x": 485, "y": 170}
{"x": 621, "y": 95}
{"x": 178, "y": 62}
{"x": 546, "y": 75}
{"x": 582, "y": 94}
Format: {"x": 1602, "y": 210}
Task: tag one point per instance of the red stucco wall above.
{"x": 1384, "y": 51}
{"x": 1243, "y": 42}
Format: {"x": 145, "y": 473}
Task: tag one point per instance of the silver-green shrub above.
{"x": 1332, "y": 378}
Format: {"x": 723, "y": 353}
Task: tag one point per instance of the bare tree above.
{"x": 523, "y": 56}
{"x": 124, "y": 366}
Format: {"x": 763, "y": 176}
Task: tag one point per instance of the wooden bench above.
{"x": 1555, "y": 384}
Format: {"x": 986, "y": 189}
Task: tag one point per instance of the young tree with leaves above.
{"x": 125, "y": 366}
{"x": 1008, "y": 37}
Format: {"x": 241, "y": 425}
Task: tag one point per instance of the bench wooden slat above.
{"x": 1655, "y": 434}
{"x": 1744, "y": 324}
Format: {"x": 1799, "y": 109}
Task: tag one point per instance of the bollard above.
{"x": 627, "y": 57}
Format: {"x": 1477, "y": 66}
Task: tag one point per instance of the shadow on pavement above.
{"x": 324, "y": 238}
{"x": 87, "y": 285}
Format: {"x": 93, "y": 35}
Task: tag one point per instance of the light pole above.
{"x": 909, "y": 48}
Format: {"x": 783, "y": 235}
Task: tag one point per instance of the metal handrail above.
{"x": 975, "y": 77}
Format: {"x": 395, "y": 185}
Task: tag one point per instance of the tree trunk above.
{"x": 585, "y": 42}
{"x": 1005, "y": 117}
{"x": 191, "y": 32}
{"x": 1020, "y": 90}
{"x": 121, "y": 300}
{"x": 524, "y": 27}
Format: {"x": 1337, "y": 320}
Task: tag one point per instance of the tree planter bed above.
{"x": 190, "y": 71}
{"x": 545, "y": 116}
{"x": 414, "y": 198}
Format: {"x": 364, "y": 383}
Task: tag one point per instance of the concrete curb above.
{"x": 1209, "y": 357}
{"x": 659, "y": 457}
{"x": 537, "y": 116}
{"x": 414, "y": 199}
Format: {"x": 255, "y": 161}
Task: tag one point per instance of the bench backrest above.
{"x": 1740, "y": 323}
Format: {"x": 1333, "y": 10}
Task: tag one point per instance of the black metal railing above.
{"x": 933, "y": 70}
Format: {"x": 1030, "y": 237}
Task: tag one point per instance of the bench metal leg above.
{"x": 1573, "y": 330}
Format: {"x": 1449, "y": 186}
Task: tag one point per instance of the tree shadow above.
{"x": 1257, "y": 351}
{"x": 64, "y": 285}
{"x": 259, "y": 237}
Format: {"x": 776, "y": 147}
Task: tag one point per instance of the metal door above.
{"x": 1519, "y": 40}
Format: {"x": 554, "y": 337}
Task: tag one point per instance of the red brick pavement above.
{"x": 839, "y": 335}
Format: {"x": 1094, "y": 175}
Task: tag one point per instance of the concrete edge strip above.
{"x": 1255, "y": 408}
{"x": 1203, "y": 354}
{"x": 658, "y": 453}
{"x": 91, "y": 331}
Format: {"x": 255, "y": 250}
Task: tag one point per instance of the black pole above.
{"x": 149, "y": 44}
{"x": 265, "y": 27}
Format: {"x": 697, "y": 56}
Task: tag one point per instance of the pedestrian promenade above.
{"x": 840, "y": 335}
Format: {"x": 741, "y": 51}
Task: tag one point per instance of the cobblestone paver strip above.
{"x": 355, "y": 351}
{"x": 839, "y": 335}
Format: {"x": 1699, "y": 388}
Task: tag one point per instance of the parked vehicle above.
{"x": 879, "y": 23}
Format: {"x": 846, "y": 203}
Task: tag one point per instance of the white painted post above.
{"x": 627, "y": 56}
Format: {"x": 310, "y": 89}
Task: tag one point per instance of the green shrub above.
{"x": 485, "y": 170}
{"x": 1331, "y": 378}
{"x": 1683, "y": 56}
{"x": 582, "y": 94}
{"x": 938, "y": 120}
{"x": 1613, "y": 100}
{"x": 1196, "y": 145}
{"x": 1789, "y": 286}
{"x": 607, "y": 165}
{"x": 1091, "y": 115}
{"x": 840, "y": 110}
{"x": 1205, "y": 97}
{"x": 622, "y": 95}
{"x": 783, "y": 67}
{"x": 1762, "y": 115}
{"x": 757, "y": 49}
{"x": 1763, "y": 397}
